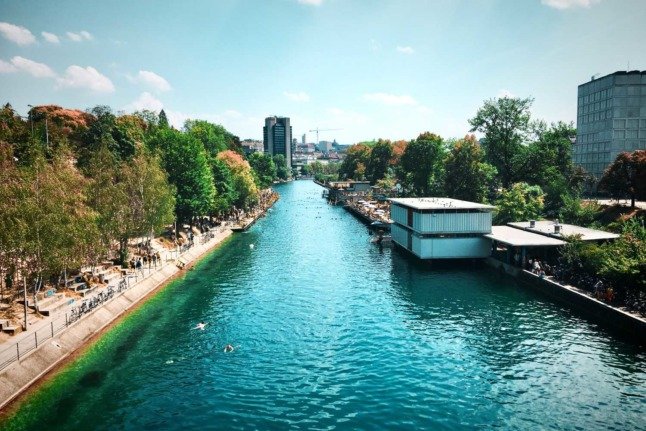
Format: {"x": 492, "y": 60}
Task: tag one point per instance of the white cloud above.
{"x": 505, "y": 93}
{"x": 374, "y": 46}
{"x": 146, "y": 101}
{"x": 567, "y": 4}
{"x": 51, "y": 37}
{"x": 311, "y": 2}
{"x": 38, "y": 70}
{"x": 297, "y": 97}
{"x": 89, "y": 77}
{"x": 232, "y": 113}
{"x": 152, "y": 80}
{"x": 80, "y": 36}
{"x": 6, "y": 67}
{"x": 405, "y": 49}
{"x": 390, "y": 99}
{"x": 16, "y": 34}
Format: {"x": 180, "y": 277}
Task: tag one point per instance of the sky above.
{"x": 373, "y": 69}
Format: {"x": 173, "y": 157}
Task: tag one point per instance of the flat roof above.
{"x": 439, "y": 204}
{"x": 546, "y": 227}
{"x": 521, "y": 238}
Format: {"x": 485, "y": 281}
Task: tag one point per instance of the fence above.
{"x": 30, "y": 342}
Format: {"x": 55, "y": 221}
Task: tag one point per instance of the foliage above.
{"x": 185, "y": 160}
{"x": 214, "y": 137}
{"x": 243, "y": 180}
{"x": 505, "y": 123}
{"x": 163, "y": 120}
{"x": 626, "y": 176}
{"x": 355, "y": 162}
{"x": 226, "y": 194}
{"x": 379, "y": 160}
{"x": 282, "y": 171}
{"x": 421, "y": 165}
{"x": 104, "y": 131}
{"x": 264, "y": 168}
{"x": 467, "y": 175}
{"x": 575, "y": 211}
{"x": 518, "y": 203}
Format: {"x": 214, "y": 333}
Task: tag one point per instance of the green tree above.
{"x": 214, "y": 137}
{"x": 163, "y": 120}
{"x": 243, "y": 179}
{"x": 185, "y": 160}
{"x": 355, "y": 162}
{"x": 282, "y": 171}
{"x": 264, "y": 168}
{"x": 379, "y": 160}
{"x": 505, "y": 123}
{"x": 521, "y": 202}
{"x": 105, "y": 132}
{"x": 626, "y": 176}
{"x": 226, "y": 194}
{"x": 468, "y": 177}
{"x": 421, "y": 165}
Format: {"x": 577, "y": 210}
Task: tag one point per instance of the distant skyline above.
{"x": 379, "y": 69}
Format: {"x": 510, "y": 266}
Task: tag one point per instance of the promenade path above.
{"x": 30, "y": 355}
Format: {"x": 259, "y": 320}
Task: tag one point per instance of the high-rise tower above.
{"x": 277, "y": 137}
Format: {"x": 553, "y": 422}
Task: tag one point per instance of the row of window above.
{"x": 592, "y": 157}
{"x": 595, "y": 97}
{"x": 629, "y": 123}
{"x": 629, "y": 134}
{"x": 588, "y": 148}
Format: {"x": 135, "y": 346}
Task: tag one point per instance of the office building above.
{"x": 611, "y": 119}
{"x": 441, "y": 228}
{"x": 277, "y": 137}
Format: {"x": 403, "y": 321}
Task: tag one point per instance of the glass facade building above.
{"x": 611, "y": 119}
{"x": 277, "y": 137}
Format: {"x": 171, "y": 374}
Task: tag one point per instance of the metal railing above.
{"x": 78, "y": 309}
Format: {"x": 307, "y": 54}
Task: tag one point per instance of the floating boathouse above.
{"x": 441, "y": 228}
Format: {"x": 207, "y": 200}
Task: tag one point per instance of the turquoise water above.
{"x": 333, "y": 333}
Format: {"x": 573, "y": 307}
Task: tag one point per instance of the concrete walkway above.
{"x": 59, "y": 340}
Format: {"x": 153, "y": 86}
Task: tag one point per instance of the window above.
{"x": 632, "y": 123}
{"x": 619, "y": 124}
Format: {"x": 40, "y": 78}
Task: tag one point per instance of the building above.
{"x": 250, "y": 146}
{"x": 611, "y": 118}
{"x": 441, "y": 228}
{"x": 325, "y": 146}
{"x": 304, "y": 139}
{"x": 277, "y": 137}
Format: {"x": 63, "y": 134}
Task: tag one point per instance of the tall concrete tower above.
{"x": 277, "y": 137}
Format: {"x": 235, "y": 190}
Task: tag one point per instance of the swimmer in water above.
{"x": 200, "y": 325}
{"x": 228, "y": 348}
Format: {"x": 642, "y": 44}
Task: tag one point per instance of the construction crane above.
{"x": 317, "y": 130}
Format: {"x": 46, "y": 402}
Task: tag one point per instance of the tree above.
{"x": 379, "y": 160}
{"x": 226, "y": 194}
{"x": 519, "y": 203}
{"x": 151, "y": 199}
{"x": 214, "y": 137}
{"x": 264, "y": 168}
{"x": 245, "y": 186}
{"x": 468, "y": 177}
{"x": 282, "y": 171}
{"x": 354, "y": 164}
{"x": 105, "y": 132}
{"x": 163, "y": 120}
{"x": 505, "y": 123}
{"x": 626, "y": 176}
{"x": 421, "y": 165}
{"x": 185, "y": 160}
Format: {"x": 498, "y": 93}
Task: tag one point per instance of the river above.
{"x": 330, "y": 332}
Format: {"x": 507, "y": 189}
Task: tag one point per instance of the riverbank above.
{"x": 624, "y": 323}
{"x": 18, "y": 377}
